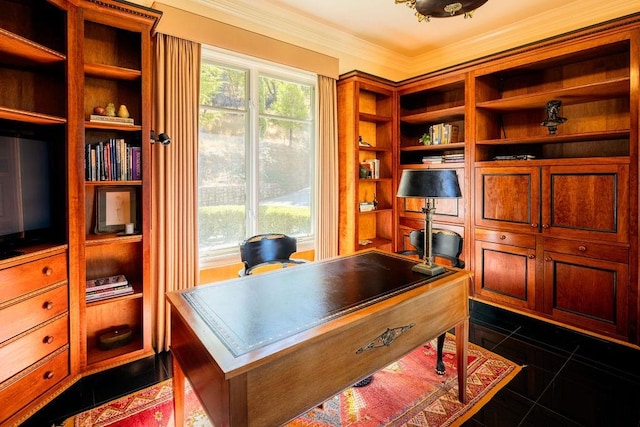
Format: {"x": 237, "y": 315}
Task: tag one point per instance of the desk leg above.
{"x": 178, "y": 394}
{"x": 462, "y": 337}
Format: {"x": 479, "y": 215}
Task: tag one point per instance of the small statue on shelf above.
{"x": 110, "y": 110}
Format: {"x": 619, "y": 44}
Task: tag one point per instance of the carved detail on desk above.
{"x": 386, "y": 339}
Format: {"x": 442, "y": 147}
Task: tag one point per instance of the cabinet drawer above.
{"x": 21, "y": 390}
{"x": 25, "y": 278}
{"x": 588, "y": 249}
{"x": 506, "y": 238}
{"x": 29, "y": 313}
{"x": 24, "y": 351}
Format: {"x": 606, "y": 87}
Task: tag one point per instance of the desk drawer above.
{"x": 25, "y": 278}
{"x": 29, "y": 313}
{"x": 22, "y": 389}
{"x": 27, "y": 349}
{"x": 588, "y": 249}
{"x": 506, "y": 238}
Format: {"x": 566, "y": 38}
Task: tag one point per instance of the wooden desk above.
{"x": 263, "y": 349}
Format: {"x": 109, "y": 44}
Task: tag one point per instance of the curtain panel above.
{"x": 174, "y": 176}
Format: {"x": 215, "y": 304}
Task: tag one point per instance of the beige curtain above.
{"x": 327, "y": 191}
{"x": 174, "y": 255}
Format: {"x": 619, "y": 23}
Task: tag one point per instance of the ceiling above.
{"x": 386, "y": 39}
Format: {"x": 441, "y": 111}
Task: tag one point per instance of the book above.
{"x": 111, "y": 119}
{"x": 106, "y": 283}
{"x": 101, "y": 295}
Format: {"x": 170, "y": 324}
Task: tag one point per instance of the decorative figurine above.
{"x": 110, "y": 111}
{"x": 553, "y": 118}
{"x": 123, "y": 112}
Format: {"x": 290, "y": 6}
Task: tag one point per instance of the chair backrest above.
{"x": 271, "y": 248}
{"x": 446, "y": 244}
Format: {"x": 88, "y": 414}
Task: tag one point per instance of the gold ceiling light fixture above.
{"x": 427, "y": 9}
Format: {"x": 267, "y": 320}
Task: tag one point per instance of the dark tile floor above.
{"x": 568, "y": 379}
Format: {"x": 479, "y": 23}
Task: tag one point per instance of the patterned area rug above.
{"x": 406, "y": 393}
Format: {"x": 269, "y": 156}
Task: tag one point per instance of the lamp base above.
{"x": 428, "y": 270}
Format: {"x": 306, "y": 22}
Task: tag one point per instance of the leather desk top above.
{"x": 269, "y": 307}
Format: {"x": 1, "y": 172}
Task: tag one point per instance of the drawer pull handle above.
{"x": 503, "y": 237}
{"x": 534, "y": 225}
{"x": 48, "y": 339}
{"x": 48, "y": 305}
{"x": 49, "y": 375}
{"x": 532, "y": 256}
{"x": 386, "y": 339}
{"x": 48, "y": 271}
{"x": 548, "y": 259}
{"x": 582, "y": 248}
{"x": 545, "y": 226}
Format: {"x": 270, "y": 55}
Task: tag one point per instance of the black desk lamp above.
{"x": 429, "y": 184}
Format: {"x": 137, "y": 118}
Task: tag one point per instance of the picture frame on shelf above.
{"x": 115, "y": 207}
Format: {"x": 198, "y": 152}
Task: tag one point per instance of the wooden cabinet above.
{"x": 58, "y": 60}
{"x": 366, "y": 133}
{"x": 115, "y": 45}
{"x": 34, "y": 339}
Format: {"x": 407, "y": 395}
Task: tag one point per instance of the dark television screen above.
{"x": 25, "y": 188}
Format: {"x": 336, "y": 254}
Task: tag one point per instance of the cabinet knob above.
{"x": 48, "y": 305}
{"x": 548, "y": 259}
{"x": 582, "y": 248}
{"x": 545, "y": 226}
{"x": 534, "y": 225}
{"x": 48, "y": 339}
{"x": 49, "y": 375}
{"x": 48, "y": 271}
{"x": 532, "y": 256}
{"x": 502, "y": 237}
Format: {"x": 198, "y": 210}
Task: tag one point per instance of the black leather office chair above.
{"x": 267, "y": 249}
{"x": 445, "y": 244}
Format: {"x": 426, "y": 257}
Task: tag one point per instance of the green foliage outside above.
{"x": 228, "y": 222}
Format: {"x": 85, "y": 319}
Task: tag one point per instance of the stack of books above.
{"x": 453, "y": 157}
{"x": 107, "y": 287}
{"x": 432, "y": 159}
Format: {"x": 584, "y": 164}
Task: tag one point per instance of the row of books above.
{"x": 112, "y": 160}
{"x": 443, "y": 133}
{"x": 107, "y": 287}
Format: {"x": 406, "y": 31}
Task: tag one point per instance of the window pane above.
{"x": 221, "y": 181}
{"x": 285, "y": 179}
{"x": 222, "y": 87}
{"x": 285, "y": 99}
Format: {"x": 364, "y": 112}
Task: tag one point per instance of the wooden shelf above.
{"x": 439, "y": 147}
{"x": 112, "y": 126}
{"x": 445, "y": 115}
{"x": 592, "y": 92}
{"x": 19, "y": 50}
{"x": 557, "y": 139}
{"x": 112, "y": 72}
{"x": 30, "y": 117}
{"x": 374, "y": 118}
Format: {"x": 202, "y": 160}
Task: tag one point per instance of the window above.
{"x": 256, "y": 144}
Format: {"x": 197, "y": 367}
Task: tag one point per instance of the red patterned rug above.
{"x": 405, "y": 393}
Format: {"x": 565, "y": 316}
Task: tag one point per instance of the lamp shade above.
{"x": 429, "y": 184}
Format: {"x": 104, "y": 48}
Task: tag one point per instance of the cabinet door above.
{"x": 586, "y": 202}
{"x": 587, "y": 292}
{"x": 506, "y": 273}
{"x": 508, "y": 198}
